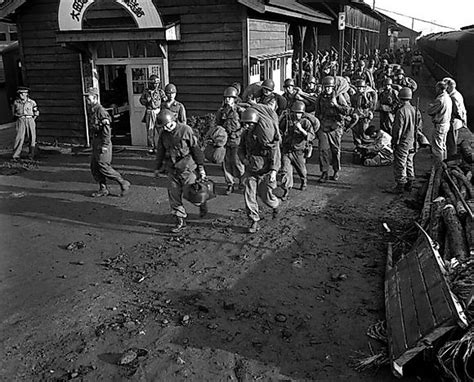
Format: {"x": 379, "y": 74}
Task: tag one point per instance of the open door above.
{"x": 137, "y": 77}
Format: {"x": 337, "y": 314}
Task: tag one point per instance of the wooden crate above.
{"x": 420, "y": 308}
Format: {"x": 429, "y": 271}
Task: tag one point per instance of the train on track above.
{"x": 451, "y": 54}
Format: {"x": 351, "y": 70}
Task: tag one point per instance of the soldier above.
{"x": 101, "y": 158}
{"x": 404, "y": 143}
{"x": 262, "y": 158}
{"x": 388, "y": 103}
{"x": 298, "y": 134}
{"x": 270, "y": 98}
{"x": 290, "y": 92}
{"x": 401, "y": 81}
{"x": 178, "y": 150}
{"x": 363, "y": 104}
{"x": 151, "y": 99}
{"x": 380, "y": 153}
{"x": 25, "y": 111}
{"x": 171, "y": 104}
{"x": 228, "y": 117}
{"x": 440, "y": 111}
{"x": 330, "y": 109}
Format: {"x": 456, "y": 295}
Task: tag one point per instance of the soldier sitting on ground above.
{"x": 379, "y": 153}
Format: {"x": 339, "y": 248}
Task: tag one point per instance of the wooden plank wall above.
{"x": 267, "y": 37}
{"x": 209, "y": 56}
{"x": 52, "y": 73}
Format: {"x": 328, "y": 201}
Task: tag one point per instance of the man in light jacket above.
{"x": 458, "y": 117}
{"x": 440, "y": 111}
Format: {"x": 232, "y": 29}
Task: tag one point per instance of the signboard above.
{"x": 341, "y": 21}
{"x": 71, "y": 13}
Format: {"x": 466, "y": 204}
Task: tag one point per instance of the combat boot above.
{"x": 125, "y": 187}
{"x": 397, "y": 190}
{"x": 409, "y": 186}
{"x": 103, "y": 191}
{"x": 304, "y": 184}
{"x": 324, "y": 177}
{"x": 255, "y": 227}
{"x": 230, "y": 189}
{"x": 335, "y": 176}
{"x": 286, "y": 194}
{"x": 180, "y": 225}
{"x": 203, "y": 210}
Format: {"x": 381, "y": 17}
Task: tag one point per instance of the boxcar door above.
{"x": 137, "y": 76}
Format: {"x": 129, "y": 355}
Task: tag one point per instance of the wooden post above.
{"x": 315, "y": 48}
{"x": 341, "y": 44}
{"x": 302, "y": 33}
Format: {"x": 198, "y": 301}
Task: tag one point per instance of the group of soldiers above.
{"x": 265, "y": 137}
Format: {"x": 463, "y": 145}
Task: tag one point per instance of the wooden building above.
{"x": 202, "y": 46}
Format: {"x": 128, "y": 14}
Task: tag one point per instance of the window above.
{"x": 13, "y": 36}
{"x": 3, "y": 36}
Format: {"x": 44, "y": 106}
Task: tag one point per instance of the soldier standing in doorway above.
{"x": 151, "y": 99}
{"x": 101, "y": 168}
{"x": 25, "y": 111}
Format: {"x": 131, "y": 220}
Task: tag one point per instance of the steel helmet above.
{"x": 268, "y": 84}
{"x": 288, "y": 82}
{"x": 312, "y": 80}
{"x": 405, "y": 94}
{"x": 360, "y": 83}
{"x": 231, "y": 92}
{"x": 249, "y": 116}
{"x": 164, "y": 117}
{"x": 170, "y": 88}
{"x": 329, "y": 81}
{"x": 153, "y": 77}
{"x": 387, "y": 81}
{"x": 298, "y": 107}
{"x": 400, "y": 71}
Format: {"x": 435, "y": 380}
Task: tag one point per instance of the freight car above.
{"x": 451, "y": 54}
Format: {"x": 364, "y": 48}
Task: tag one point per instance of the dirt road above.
{"x": 214, "y": 303}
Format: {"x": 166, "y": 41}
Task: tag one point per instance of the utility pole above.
{"x": 413, "y": 23}
{"x": 373, "y": 6}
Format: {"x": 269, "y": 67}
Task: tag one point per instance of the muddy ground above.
{"x": 292, "y": 302}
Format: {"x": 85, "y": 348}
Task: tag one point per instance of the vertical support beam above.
{"x": 302, "y": 33}
{"x": 315, "y": 48}
{"x": 84, "y": 88}
{"x": 341, "y": 43}
{"x": 245, "y": 49}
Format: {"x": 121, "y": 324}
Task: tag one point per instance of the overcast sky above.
{"x": 453, "y": 13}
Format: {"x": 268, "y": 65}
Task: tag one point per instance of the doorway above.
{"x": 114, "y": 97}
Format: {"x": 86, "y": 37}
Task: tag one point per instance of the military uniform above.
{"x": 388, "y": 103}
{"x": 178, "y": 109}
{"x": 179, "y": 151}
{"x": 403, "y": 143}
{"x": 25, "y": 113}
{"x": 331, "y": 130}
{"x": 405, "y": 82}
{"x": 260, "y": 161}
{"x": 151, "y": 99}
{"x": 440, "y": 111}
{"x": 228, "y": 117}
{"x": 101, "y": 168}
{"x": 382, "y": 151}
{"x": 363, "y": 105}
{"x": 294, "y": 146}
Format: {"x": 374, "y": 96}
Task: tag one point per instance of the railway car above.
{"x": 451, "y": 54}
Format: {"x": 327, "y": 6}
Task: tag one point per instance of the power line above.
{"x": 415, "y": 18}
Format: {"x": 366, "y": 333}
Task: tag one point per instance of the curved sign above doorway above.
{"x": 71, "y": 13}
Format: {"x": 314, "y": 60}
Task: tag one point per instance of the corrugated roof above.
{"x": 289, "y": 8}
{"x": 9, "y": 6}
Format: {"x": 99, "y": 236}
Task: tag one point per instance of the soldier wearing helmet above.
{"x": 363, "y": 105}
{"x": 259, "y": 150}
{"x": 101, "y": 158}
{"x": 405, "y": 127}
{"x": 228, "y": 116}
{"x": 330, "y": 109}
{"x": 151, "y": 98}
{"x": 290, "y": 92}
{"x": 388, "y": 99}
{"x": 297, "y": 135}
{"x": 270, "y": 98}
{"x": 178, "y": 150}
{"x": 171, "y": 104}
{"x": 400, "y": 80}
